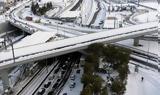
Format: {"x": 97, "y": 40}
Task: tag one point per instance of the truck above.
{"x": 29, "y": 18}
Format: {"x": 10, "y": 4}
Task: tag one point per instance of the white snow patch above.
{"x": 150, "y": 85}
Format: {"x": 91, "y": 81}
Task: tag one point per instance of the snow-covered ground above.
{"x": 149, "y": 86}
{"x": 2, "y": 18}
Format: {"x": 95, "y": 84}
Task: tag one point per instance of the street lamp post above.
{"x": 12, "y": 50}
{"x": 57, "y": 28}
{"x": 109, "y": 6}
{"x": 11, "y": 43}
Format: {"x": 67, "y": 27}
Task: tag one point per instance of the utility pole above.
{"x": 138, "y": 2}
{"x": 46, "y": 65}
{"x": 57, "y": 28}
{"x": 148, "y": 51}
{"x": 114, "y": 22}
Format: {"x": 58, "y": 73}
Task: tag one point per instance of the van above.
{"x": 78, "y": 71}
{"x": 72, "y": 85}
{"x": 51, "y": 77}
{"x": 41, "y": 91}
{"x": 73, "y": 77}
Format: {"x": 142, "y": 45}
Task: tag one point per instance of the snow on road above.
{"x": 77, "y": 89}
{"x": 150, "y": 85}
{"x": 101, "y": 15}
{"x": 146, "y": 17}
{"x": 148, "y": 46}
{"x": 150, "y": 4}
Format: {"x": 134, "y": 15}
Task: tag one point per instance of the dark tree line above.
{"x": 37, "y": 10}
{"x": 117, "y": 56}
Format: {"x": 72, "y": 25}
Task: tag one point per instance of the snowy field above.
{"x": 149, "y": 86}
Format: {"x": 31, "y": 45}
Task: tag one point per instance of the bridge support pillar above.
{"x": 5, "y": 79}
{"x": 26, "y": 68}
{"x": 158, "y": 64}
{"x": 136, "y": 41}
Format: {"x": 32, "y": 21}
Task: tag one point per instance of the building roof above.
{"x": 35, "y": 39}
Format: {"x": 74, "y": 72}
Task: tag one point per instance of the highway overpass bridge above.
{"x": 77, "y": 42}
{"x": 46, "y": 50}
{"x": 41, "y": 51}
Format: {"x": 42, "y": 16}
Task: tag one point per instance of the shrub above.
{"x": 118, "y": 87}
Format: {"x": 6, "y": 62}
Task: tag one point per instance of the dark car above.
{"x": 46, "y": 85}
{"x": 64, "y": 93}
{"x": 50, "y": 93}
{"x": 58, "y": 80}
{"x": 55, "y": 85}
{"x": 56, "y": 71}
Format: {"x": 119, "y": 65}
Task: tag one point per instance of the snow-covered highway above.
{"x": 37, "y": 52}
{"x": 60, "y": 37}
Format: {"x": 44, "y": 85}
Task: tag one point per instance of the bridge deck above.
{"x": 70, "y": 44}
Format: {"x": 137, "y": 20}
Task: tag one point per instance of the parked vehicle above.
{"x": 29, "y": 18}
{"x": 78, "y": 71}
{"x": 55, "y": 85}
{"x": 73, "y": 77}
{"x": 72, "y": 85}
{"x": 46, "y": 85}
{"x": 51, "y": 77}
{"x": 41, "y": 91}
